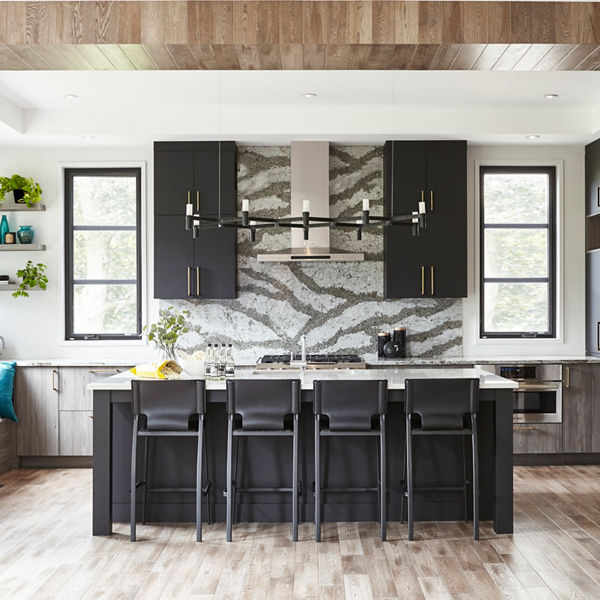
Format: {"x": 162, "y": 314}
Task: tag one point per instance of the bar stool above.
{"x": 262, "y": 407}
{"x": 441, "y": 407}
{"x": 350, "y": 407}
{"x": 167, "y": 409}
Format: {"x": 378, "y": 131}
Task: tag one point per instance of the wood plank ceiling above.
{"x": 299, "y": 34}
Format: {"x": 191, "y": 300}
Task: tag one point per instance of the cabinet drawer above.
{"x": 537, "y": 438}
{"x": 73, "y": 382}
{"x": 75, "y": 437}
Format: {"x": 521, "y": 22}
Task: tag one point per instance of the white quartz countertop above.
{"x": 395, "y": 377}
{"x": 75, "y": 362}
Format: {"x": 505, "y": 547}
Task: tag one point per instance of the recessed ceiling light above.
{"x": 550, "y": 96}
{"x": 71, "y": 96}
{"x": 533, "y": 136}
{"x": 88, "y": 137}
{"x": 309, "y": 94}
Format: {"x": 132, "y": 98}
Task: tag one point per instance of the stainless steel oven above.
{"x": 538, "y": 399}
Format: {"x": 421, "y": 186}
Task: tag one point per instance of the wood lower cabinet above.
{"x": 581, "y": 409}
{"x": 54, "y": 408}
{"x": 537, "y": 438}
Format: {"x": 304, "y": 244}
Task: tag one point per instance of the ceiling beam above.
{"x": 299, "y": 34}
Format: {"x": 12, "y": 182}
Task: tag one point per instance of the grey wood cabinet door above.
{"x": 579, "y": 391}
{"x": 36, "y": 403}
{"x": 73, "y": 382}
{"x": 75, "y": 438}
{"x": 537, "y": 438}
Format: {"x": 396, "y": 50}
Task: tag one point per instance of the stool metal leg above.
{"x": 404, "y": 488}
{"x": 206, "y": 490}
{"x": 317, "y": 479}
{"x": 229, "y": 476}
{"x": 465, "y": 482}
{"x": 382, "y": 479}
{"x": 475, "y": 477}
{"x": 199, "y": 479}
{"x": 295, "y": 481}
{"x": 409, "y": 478}
{"x": 133, "y": 482}
{"x": 146, "y": 470}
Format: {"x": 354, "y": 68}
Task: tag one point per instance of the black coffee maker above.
{"x": 393, "y": 346}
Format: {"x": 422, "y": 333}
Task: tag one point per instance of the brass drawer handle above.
{"x": 91, "y": 416}
{"x": 197, "y": 281}
{"x": 432, "y": 285}
{"x": 568, "y": 377}
{"x": 54, "y": 374}
{"x": 189, "y": 200}
{"x": 104, "y": 370}
{"x": 523, "y": 428}
{"x": 197, "y": 201}
{"x": 422, "y": 280}
{"x": 431, "y": 200}
{"x": 189, "y": 280}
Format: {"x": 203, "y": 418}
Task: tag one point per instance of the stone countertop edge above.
{"x": 370, "y": 361}
{"x": 395, "y": 378}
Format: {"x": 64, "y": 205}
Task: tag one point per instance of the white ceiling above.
{"x": 130, "y": 107}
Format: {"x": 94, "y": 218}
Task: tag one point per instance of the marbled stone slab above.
{"x": 338, "y": 306}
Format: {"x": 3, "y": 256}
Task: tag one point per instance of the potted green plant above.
{"x": 165, "y": 334}
{"x": 31, "y": 276}
{"x": 25, "y": 190}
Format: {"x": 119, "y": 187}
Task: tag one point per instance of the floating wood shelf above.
{"x": 13, "y": 207}
{"x": 22, "y": 247}
{"x": 10, "y": 287}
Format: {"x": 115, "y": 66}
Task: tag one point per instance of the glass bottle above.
{"x": 208, "y": 363}
{"x": 229, "y": 364}
{"x": 214, "y": 363}
{"x": 221, "y": 362}
{"x": 3, "y": 228}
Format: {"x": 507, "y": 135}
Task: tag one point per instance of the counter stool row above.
{"x": 269, "y": 408}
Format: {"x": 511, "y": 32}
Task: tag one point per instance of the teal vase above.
{"x": 25, "y": 234}
{"x": 3, "y": 228}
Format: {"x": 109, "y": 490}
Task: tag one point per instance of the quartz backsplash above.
{"x": 338, "y": 306}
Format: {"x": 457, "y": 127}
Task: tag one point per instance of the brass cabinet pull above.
{"x": 568, "y": 377}
{"x": 54, "y": 374}
{"x": 422, "y": 195}
{"x": 197, "y": 281}
{"x": 523, "y": 428}
{"x": 104, "y": 370}
{"x": 91, "y": 416}
{"x": 189, "y": 197}
{"x": 431, "y": 200}
{"x": 432, "y": 284}
{"x": 422, "y": 280}
{"x": 189, "y": 269}
{"x": 598, "y": 335}
{"x": 197, "y": 201}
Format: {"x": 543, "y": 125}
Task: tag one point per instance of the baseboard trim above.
{"x": 54, "y": 462}
{"x": 533, "y": 460}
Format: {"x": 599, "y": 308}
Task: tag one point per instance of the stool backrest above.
{"x": 168, "y": 405}
{"x": 350, "y": 405}
{"x": 263, "y": 404}
{"x": 442, "y": 403}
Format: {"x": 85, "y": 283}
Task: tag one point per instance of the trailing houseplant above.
{"x": 165, "y": 334}
{"x": 31, "y": 276}
{"x": 25, "y": 189}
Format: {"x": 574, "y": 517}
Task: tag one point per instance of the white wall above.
{"x": 33, "y": 327}
{"x": 571, "y": 263}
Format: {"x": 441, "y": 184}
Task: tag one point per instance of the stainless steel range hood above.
{"x": 310, "y": 181}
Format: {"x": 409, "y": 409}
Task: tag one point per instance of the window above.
{"x": 518, "y": 239}
{"x": 103, "y": 254}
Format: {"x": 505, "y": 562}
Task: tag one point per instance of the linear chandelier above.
{"x": 194, "y": 221}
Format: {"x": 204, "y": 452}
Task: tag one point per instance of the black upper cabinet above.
{"x": 185, "y": 267}
{"x": 592, "y": 177}
{"x": 435, "y": 172}
{"x": 202, "y": 171}
{"x": 433, "y": 264}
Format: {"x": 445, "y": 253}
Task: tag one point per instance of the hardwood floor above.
{"x": 46, "y": 550}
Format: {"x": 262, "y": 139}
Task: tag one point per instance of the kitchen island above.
{"x": 438, "y": 460}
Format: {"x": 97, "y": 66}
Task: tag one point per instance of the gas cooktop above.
{"x": 314, "y": 361}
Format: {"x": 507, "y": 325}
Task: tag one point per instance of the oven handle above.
{"x": 536, "y": 387}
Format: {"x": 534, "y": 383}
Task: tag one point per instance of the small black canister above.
{"x": 382, "y": 339}
{"x": 399, "y": 340}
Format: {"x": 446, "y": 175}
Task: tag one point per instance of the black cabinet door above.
{"x": 173, "y": 181}
{"x": 447, "y": 256}
{"x": 210, "y": 168}
{"x": 405, "y": 264}
{"x": 592, "y": 177}
{"x": 215, "y": 258}
{"x": 407, "y": 182}
{"x": 446, "y": 180}
{"x": 173, "y": 258}
{"x": 592, "y": 342}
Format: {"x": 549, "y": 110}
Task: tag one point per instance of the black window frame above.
{"x": 552, "y": 251}
{"x": 70, "y": 282}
